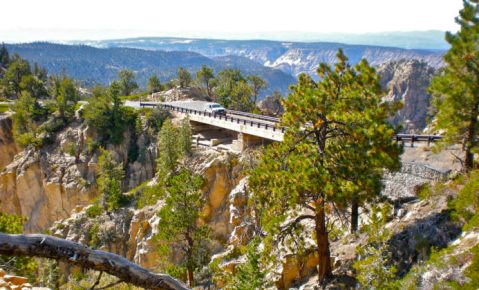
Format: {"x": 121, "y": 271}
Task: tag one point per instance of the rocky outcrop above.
{"x": 407, "y": 81}
{"x": 180, "y": 94}
{"x": 271, "y": 106}
{"x": 130, "y": 232}
{"x": 45, "y": 185}
{"x": 12, "y": 282}
{"x": 8, "y": 147}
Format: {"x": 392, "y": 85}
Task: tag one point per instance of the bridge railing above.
{"x": 251, "y": 123}
{"x": 412, "y": 138}
{"x": 256, "y": 116}
{"x": 417, "y": 138}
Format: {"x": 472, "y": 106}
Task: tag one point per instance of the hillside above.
{"x": 290, "y": 57}
{"x": 93, "y": 65}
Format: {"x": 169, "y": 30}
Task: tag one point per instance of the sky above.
{"x": 30, "y": 20}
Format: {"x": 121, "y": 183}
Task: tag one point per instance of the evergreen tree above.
{"x": 4, "y": 56}
{"x": 335, "y": 149}
{"x": 127, "y": 82}
{"x": 154, "y": 85}
{"x": 184, "y": 77}
{"x": 249, "y": 275}
{"x": 27, "y": 112}
{"x": 257, "y": 84}
{"x": 109, "y": 181}
{"x": 184, "y": 136}
{"x": 225, "y": 83}
{"x": 456, "y": 88}
{"x": 179, "y": 229}
{"x": 241, "y": 97}
{"x": 40, "y": 73}
{"x": 106, "y": 113}
{"x": 204, "y": 76}
{"x": 65, "y": 95}
{"x": 168, "y": 153}
{"x": 17, "y": 69}
{"x": 34, "y": 86}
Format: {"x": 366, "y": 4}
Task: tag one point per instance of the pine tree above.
{"x": 154, "y": 85}
{"x": 205, "y": 75}
{"x": 456, "y": 88}
{"x": 65, "y": 95}
{"x": 179, "y": 230}
{"x": 335, "y": 149}
{"x": 184, "y": 77}
{"x": 34, "y": 86}
{"x": 168, "y": 152}
{"x": 4, "y": 56}
{"x": 127, "y": 82}
{"x": 184, "y": 137}
{"x": 257, "y": 84}
{"x": 241, "y": 97}
{"x": 250, "y": 275}
{"x": 226, "y": 81}
{"x": 110, "y": 177}
{"x": 17, "y": 69}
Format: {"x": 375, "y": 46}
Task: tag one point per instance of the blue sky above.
{"x": 100, "y": 19}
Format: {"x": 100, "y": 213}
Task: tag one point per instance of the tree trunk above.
{"x": 324, "y": 255}
{"x": 354, "y": 214}
{"x": 190, "y": 277}
{"x": 189, "y": 263}
{"x": 45, "y": 246}
{"x": 471, "y": 139}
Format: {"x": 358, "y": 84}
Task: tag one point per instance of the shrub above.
{"x": 94, "y": 210}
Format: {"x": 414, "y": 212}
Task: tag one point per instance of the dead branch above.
{"x": 73, "y": 253}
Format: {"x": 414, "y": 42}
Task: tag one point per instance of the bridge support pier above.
{"x": 245, "y": 141}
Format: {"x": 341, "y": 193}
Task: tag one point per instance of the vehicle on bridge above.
{"x": 215, "y": 109}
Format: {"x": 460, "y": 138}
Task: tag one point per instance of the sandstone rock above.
{"x": 15, "y": 280}
{"x": 8, "y": 147}
{"x": 407, "y": 81}
{"x": 47, "y": 185}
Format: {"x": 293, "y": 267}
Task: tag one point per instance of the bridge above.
{"x": 248, "y": 129}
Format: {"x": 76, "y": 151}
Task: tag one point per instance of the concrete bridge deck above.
{"x": 249, "y": 126}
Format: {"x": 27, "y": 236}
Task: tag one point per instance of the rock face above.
{"x": 180, "y": 94}
{"x": 407, "y": 81}
{"x": 8, "y": 147}
{"x": 129, "y": 231}
{"x": 271, "y": 106}
{"x": 45, "y": 185}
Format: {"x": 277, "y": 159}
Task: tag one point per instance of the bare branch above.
{"x": 76, "y": 254}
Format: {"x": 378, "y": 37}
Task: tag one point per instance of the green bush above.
{"x": 94, "y": 210}
{"x": 150, "y": 195}
{"x": 12, "y": 224}
{"x": 4, "y": 108}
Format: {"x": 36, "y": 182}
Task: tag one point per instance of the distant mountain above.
{"x": 100, "y": 66}
{"x": 290, "y": 57}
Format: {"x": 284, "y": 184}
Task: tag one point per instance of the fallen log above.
{"x": 73, "y": 253}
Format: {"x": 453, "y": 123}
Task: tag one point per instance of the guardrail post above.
{"x": 412, "y": 141}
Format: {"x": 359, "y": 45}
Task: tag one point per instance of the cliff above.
{"x": 47, "y": 184}
{"x": 407, "y": 81}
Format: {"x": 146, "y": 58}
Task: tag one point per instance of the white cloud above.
{"x": 90, "y": 19}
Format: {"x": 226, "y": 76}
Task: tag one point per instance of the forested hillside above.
{"x": 290, "y": 57}
{"x": 101, "y": 66}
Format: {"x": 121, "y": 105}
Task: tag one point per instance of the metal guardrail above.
{"x": 256, "y": 124}
{"x": 417, "y": 138}
{"x": 412, "y": 138}
{"x": 256, "y": 116}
